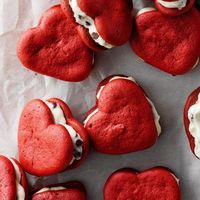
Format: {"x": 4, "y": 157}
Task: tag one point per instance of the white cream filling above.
{"x": 47, "y": 189}
{"x": 114, "y": 78}
{"x": 177, "y": 180}
{"x": 19, "y": 189}
{"x": 144, "y": 10}
{"x": 90, "y": 115}
{"x": 123, "y": 77}
{"x": 155, "y": 113}
{"x": 179, "y": 4}
{"x": 87, "y": 22}
{"x": 156, "y": 116}
{"x": 195, "y": 65}
{"x": 59, "y": 118}
{"x": 194, "y": 126}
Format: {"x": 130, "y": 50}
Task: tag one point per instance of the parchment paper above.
{"x": 19, "y": 85}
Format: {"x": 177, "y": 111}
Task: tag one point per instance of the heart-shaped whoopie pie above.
{"x": 13, "y": 183}
{"x": 102, "y": 24}
{"x": 174, "y": 7}
{"x": 50, "y": 140}
{"x": 54, "y": 48}
{"x": 171, "y": 44}
{"x": 192, "y": 121}
{"x": 124, "y": 119}
{"x": 65, "y": 191}
{"x": 153, "y": 184}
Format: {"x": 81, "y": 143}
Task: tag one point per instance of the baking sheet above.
{"x": 19, "y": 85}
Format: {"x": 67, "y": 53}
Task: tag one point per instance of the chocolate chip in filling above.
{"x": 78, "y": 148}
{"x": 54, "y": 104}
{"x": 95, "y": 36}
{"x": 77, "y": 154}
{"x": 87, "y": 23}
{"x": 191, "y": 117}
{"x": 80, "y": 16}
{"x": 79, "y": 142}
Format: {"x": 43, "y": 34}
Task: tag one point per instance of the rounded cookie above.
{"x": 65, "y": 191}
{"x": 13, "y": 183}
{"x": 191, "y": 121}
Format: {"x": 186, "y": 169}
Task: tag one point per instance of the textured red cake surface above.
{"x": 124, "y": 121}
{"x": 171, "y": 44}
{"x": 152, "y": 184}
{"x": 46, "y": 148}
{"x": 54, "y": 48}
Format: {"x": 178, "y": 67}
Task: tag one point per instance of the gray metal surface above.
{"x": 168, "y": 93}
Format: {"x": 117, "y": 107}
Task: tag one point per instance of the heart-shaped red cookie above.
{"x": 191, "y": 121}
{"x": 108, "y": 23}
{"x": 13, "y": 184}
{"x": 65, "y": 191}
{"x": 50, "y": 140}
{"x": 166, "y": 42}
{"x": 174, "y": 7}
{"x": 54, "y": 48}
{"x": 123, "y": 120}
{"x": 153, "y": 184}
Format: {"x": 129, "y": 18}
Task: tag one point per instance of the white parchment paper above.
{"x": 19, "y": 85}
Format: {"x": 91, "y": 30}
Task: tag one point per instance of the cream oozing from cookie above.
{"x": 19, "y": 188}
{"x": 47, "y": 189}
{"x": 179, "y": 4}
{"x": 156, "y": 116}
{"x": 177, "y": 180}
{"x": 155, "y": 113}
{"x": 87, "y": 22}
{"x": 195, "y": 65}
{"x": 144, "y": 10}
{"x": 194, "y": 125}
{"x": 59, "y": 118}
{"x": 114, "y": 78}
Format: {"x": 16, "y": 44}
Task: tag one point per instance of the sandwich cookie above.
{"x": 102, "y": 24}
{"x": 192, "y": 121}
{"x": 155, "y": 183}
{"x": 54, "y": 48}
{"x": 13, "y": 184}
{"x": 174, "y": 7}
{"x": 65, "y": 191}
{"x": 50, "y": 140}
{"x": 166, "y": 42}
{"x": 123, "y": 120}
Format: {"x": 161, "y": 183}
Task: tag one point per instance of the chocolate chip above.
{"x": 54, "y": 104}
{"x": 192, "y": 117}
{"x": 77, "y": 154}
{"x": 88, "y": 23}
{"x": 80, "y": 16}
{"x": 79, "y": 142}
{"x": 95, "y": 35}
